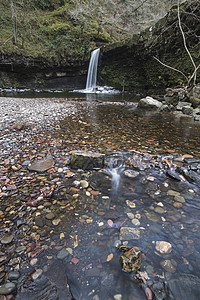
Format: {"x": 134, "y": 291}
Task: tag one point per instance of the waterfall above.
{"x": 92, "y": 71}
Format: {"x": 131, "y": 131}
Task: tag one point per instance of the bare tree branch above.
{"x": 185, "y": 45}
{"x": 171, "y": 67}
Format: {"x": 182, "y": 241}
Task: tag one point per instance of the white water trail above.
{"x": 91, "y": 83}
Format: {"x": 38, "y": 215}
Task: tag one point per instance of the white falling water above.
{"x": 92, "y": 71}
{"x": 91, "y": 84}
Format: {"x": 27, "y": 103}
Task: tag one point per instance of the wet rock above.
{"x": 179, "y": 198}
{"x": 129, "y": 233}
{"x": 39, "y": 221}
{"x": 131, "y": 173}
{"x": 169, "y": 265}
{"x": 131, "y": 259}
{"x": 62, "y": 254}
{"x": 87, "y": 160}
{"x": 149, "y": 103}
{"x": 37, "y": 274}
{"x": 20, "y": 249}
{"x": 50, "y": 216}
{"x": 163, "y": 247}
{"x": 181, "y": 104}
{"x": 194, "y": 177}
{"x": 152, "y": 216}
{"x": 84, "y": 184}
{"x": 187, "y": 110}
{"x": 56, "y": 222}
{"x": 42, "y": 165}
{"x": 7, "y": 239}
{"x": 7, "y": 288}
{"x": 136, "y": 162}
{"x": 14, "y": 275}
{"x": 173, "y": 175}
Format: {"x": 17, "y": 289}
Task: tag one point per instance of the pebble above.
{"x": 20, "y": 249}
{"x": 50, "y": 216}
{"x": 62, "y": 253}
{"x": 131, "y": 173}
{"x": 7, "y": 240}
{"x": 135, "y": 222}
{"x": 163, "y": 247}
{"x": 7, "y": 288}
{"x": 177, "y": 204}
{"x": 36, "y": 274}
{"x": 131, "y": 215}
{"x": 56, "y": 222}
{"x": 130, "y": 204}
{"x": 13, "y": 275}
{"x": 33, "y": 261}
{"x": 169, "y": 265}
{"x": 118, "y": 297}
{"x": 84, "y": 184}
{"x": 179, "y": 198}
{"x": 129, "y": 233}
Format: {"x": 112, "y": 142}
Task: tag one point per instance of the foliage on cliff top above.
{"x": 59, "y": 29}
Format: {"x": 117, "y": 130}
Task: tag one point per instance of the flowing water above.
{"x": 159, "y": 208}
{"x": 92, "y": 71}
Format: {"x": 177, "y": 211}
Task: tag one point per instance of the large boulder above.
{"x": 149, "y": 103}
{"x": 87, "y": 160}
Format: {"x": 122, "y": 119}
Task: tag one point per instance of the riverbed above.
{"x": 61, "y": 227}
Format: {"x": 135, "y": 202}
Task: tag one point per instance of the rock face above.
{"x": 87, "y": 160}
{"x": 42, "y": 165}
{"x": 133, "y": 65}
{"x": 149, "y": 103}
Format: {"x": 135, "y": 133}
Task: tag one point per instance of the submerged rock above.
{"x": 7, "y": 288}
{"x": 163, "y": 247}
{"x": 129, "y": 233}
{"x": 42, "y": 165}
{"x": 87, "y": 160}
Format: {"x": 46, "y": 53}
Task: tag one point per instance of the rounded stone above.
{"x": 50, "y": 216}
{"x": 169, "y": 265}
{"x": 135, "y": 222}
{"x": 177, "y": 204}
{"x": 7, "y": 239}
{"x": 84, "y": 184}
{"x": 14, "y": 275}
{"x": 62, "y": 254}
{"x": 163, "y": 247}
{"x": 7, "y": 288}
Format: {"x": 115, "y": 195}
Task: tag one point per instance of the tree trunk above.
{"x": 14, "y": 19}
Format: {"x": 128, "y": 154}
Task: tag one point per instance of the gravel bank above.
{"x": 40, "y": 112}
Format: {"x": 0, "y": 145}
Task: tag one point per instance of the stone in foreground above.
{"x": 42, "y": 165}
{"x": 87, "y": 160}
{"x": 149, "y": 103}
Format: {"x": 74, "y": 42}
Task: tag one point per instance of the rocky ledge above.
{"x": 177, "y": 100}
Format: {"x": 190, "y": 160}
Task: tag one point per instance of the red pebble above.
{"x": 36, "y": 252}
{"x": 110, "y": 223}
{"x": 148, "y": 293}
{"x": 75, "y": 260}
{"x": 9, "y": 297}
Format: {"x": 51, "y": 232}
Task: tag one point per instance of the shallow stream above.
{"x": 90, "y": 210}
